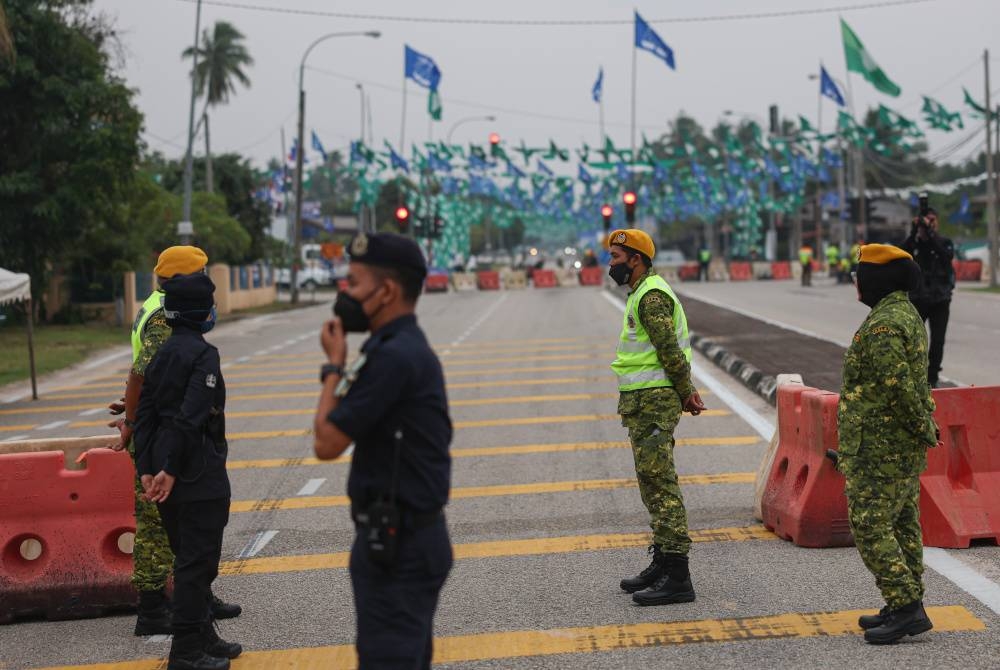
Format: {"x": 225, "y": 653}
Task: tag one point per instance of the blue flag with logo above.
{"x": 598, "y": 88}
{"x": 647, "y": 40}
{"x": 317, "y": 145}
{"x": 397, "y": 161}
{"x": 583, "y": 175}
{"x": 421, "y": 69}
{"x": 828, "y": 87}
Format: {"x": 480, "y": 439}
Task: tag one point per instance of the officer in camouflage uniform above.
{"x": 886, "y": 425}
{"x": 654, "y": 380}
{"x": 152, "y": 558}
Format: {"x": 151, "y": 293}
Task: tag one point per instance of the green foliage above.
{"x": 69, "y": 133}
{"x": 222, "y": 58}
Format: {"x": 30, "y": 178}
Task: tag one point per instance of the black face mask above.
{"x": 351, "y": 312}
{"x": 620, "y": 273}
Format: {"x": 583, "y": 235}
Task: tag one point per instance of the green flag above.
{"x": 939, "y": 117}
{"x": 434, "y": 105}
{"x": 804, "y": 125}
{"x": 860, "y": 61}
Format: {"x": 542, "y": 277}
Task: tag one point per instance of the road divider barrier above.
{"x": 688, "y": 272}
{"x": 740, "y": 271}
{"x": 592, "y": 276}
{"x": 968, "y": 270}
{"x": 515, "y": 280}
{"x": 488, "y": 280}
{"x": 567, "y": 277}
{"x": 464, "y": 281}
{"x": 789, "y": 406}
{"x": 66, "y": 535}
{"x": 436, "y": 282}
{"x": 543, "y": 278}
{"x": 781, "y": 270}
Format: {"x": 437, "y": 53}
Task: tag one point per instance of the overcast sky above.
{"x": 527, "y": 75}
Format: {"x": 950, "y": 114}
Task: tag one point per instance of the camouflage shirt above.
{"x": 885, "y": 413}
{"x": 154, "y": 333}
{"x": 656, "y": 312}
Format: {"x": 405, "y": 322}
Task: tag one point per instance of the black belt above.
{"x": 409, "y": 518}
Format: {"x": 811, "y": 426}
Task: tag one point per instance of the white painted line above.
{"x": 260, "y": 352}
{"x": 478, "y": 322}
{"x": 964, "y": 577}
{"x": 104, "y": 359}
{"x": 50, "y": 426}
{"x": 91, "y": 412}
{"x": 763, "y": 427}
{"x": 259, "y": 541}
{"x": 311, "y": 487}
{"x": 242, "y": 359}
{"x": 14, "y": 438}
{"x": 276, "y": 347}
{"x": 158, "y": 639}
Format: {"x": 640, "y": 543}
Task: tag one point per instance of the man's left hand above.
{"x": 693, "y": 404}
{"x": 333, "y": 341}
{"x": 124, "y": 432}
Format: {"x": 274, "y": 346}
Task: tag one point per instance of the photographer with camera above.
{"x": 932, "y": 297}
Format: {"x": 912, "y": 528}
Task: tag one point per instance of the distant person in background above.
{"x": 932, "y": 298}
{"x": 832, "y": 259}
{"x": 704, "y": 258}
{"x": 590, "y": 259}
{"x": 472, "y": 264}
{"x": 805, "y": 260}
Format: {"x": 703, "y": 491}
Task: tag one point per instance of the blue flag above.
{"x": 828, "y": 87}
{"x": 397, "y": 161}
{"x": 544, "y": 169}
{"x": 595, "y": 92}
{"x": 647, "y": 40}
{"x": 583, "y": 175}
{"x": 317, "y": 145}
{"x": 421, "y": 69}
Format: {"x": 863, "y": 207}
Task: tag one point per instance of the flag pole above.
{"x": 632, "y": 153}
{"x": 600, "y": 112}
{"x": 859, "y": 169}
{"x": 819, "y": 159}
{"x": 991, "y": 185}
{"x": 402, "y": 122}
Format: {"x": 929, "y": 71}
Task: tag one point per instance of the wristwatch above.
{"x": 330, "y": 369}
{"x": 128, "y": 423}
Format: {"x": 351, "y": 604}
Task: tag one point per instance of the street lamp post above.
{"x": 185, "y": 228}
{"x": 297, "y": 236}
{"x": 362, "y": 209}
{"x": 468, "y": 120}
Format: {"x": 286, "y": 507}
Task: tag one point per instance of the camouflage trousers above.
{"x": 152, "y": 559}
{"x": 651, "y": 415}
{"x": 885, "y": 519}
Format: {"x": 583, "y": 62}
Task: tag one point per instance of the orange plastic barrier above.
{"x": 688, "y": 272}
{"x": 803, "y": 500}
{"x": 544, "y": 279}
{"x": 740, "y": 271}
{"x": 65, "y": 535}
{"x": 436, "y": 283}
{"x": 488, "y": 281}
{"x": 591, "y": 277}
{"x": 781, "y": 270}
{"x": 968, "y": 270}
{"x": 960, "y": 490}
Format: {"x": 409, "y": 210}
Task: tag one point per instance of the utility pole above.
{"x": 185, "y": 229}
{"x": 991, "y": 185}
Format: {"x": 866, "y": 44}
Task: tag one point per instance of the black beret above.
{"x": 388, "y": 250}
{"x": 188, "y": 293}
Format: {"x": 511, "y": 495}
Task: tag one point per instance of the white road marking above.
{"x": 478, "y": 322}
{"x": 260, "y": 352}
{"x": 964, "y": 576}
{"x": 14, "y": 438}
{"x": 242, "y": 359}
{"x": 258, "y": 542}
{"x": 311, "y": 487}
{"x": 158, "y": 639}
{"x": 91, "y": 412}
{"x": 50, "y": 426}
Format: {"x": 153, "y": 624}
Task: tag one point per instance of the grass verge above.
{"x": 56, "y": 347}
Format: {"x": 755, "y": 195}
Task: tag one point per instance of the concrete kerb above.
{"x": 763, "y": 385}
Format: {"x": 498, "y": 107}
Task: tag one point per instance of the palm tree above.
{"x": 6, "y": 39}
{"x": 222, "y": 58}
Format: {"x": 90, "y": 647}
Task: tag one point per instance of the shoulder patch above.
{"x": 882, "y": 330}
{"x": 211, "y": 381}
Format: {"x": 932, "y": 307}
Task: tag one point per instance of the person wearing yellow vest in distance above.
{"x": 806, "y": 259}
{"x": 704, "y": 259}
{"x": 832, "y": 259}
{"x": 152, "y": 559}
{"x": 653, "y": 365}
{"x": 844, "y": 275}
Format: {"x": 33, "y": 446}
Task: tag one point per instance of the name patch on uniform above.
{"x": 210, "y": 381}
{"x": 882, "y": 330}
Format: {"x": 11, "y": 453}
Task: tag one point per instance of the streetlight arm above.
{"x": 356, "y": 33}
{"x": 467, "y": 120}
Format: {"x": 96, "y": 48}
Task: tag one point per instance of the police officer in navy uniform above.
{"x": 180, "y": 454}
{"x": 390, "y": 401}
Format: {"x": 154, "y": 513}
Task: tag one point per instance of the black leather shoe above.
{"x": 197, "y": 661}
{"x": 153, "y": 614}
{"x": 222, "y": 610}
{"x": 873, "y": 620}
{"x": 907, "y": 620}
{"x": 213, "y": 645}
{"x": 666, "y": 591}
{"x": 648, "y": 576}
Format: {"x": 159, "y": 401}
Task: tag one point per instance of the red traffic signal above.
{"x": 606, "y": 212}
{"x": 629, "y": 199}
{"x": 402, "y": 217}
{"x": 494, "y": 139}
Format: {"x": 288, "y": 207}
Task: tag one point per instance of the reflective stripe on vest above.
{"x": 637, "y": 364}
{"x": 153, "y": 304}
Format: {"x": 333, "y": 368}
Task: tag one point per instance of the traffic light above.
{"x": 606, "y": 212}
{"x": 494, "y": 144}
{"x": 629, "y": 200}
{"x": 437, "y": 228}
{"x": 402, "y": 218}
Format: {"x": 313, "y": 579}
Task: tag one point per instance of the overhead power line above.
{"x": 717, "y": 18}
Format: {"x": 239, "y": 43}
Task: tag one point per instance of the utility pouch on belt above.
{"x": 382, "y": 531}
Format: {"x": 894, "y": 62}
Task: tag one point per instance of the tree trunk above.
{"x": 209, "y": 182}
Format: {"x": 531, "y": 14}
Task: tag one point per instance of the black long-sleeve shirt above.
{"x": 934, "y": 255}
{"x": 180, "y": 426}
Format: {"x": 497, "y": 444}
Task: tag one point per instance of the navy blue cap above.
{"x": 387, "y": 250}
{"x": 188, "y": 293}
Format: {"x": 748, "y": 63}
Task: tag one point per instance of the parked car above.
{"x": 309, "y": 278}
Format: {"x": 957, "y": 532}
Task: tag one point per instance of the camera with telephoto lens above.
{"x": 924, "y": 210}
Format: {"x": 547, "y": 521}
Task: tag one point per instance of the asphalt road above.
{"x": 544, "y": 516}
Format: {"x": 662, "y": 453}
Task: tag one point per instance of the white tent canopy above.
{"x": 14, "y": 287}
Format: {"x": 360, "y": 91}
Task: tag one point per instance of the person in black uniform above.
{"x": 180, "y": 441}
{"x": 932, "y": 298}
{"x": 391, "y": 403}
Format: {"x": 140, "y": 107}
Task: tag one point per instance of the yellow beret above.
{"x": 880, "y": 254}
{"x": 633, "y": 239}
{"x": 180, "y": 260}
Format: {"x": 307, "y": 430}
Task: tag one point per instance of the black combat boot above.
{"x": 187, "y": 653}
{"x": 673, "y": 585}
{"x": 213, "y": 645}
{"x": 907, "y": 620}
{"x": 647, "y": 576}
{"x": 223, "y": 610}
{"x": 873, "y": 620}
{"x": 154, "y": 614}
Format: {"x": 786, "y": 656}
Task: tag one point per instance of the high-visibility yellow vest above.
{"x": 636, "y": 364}
{"x": 153, "y": 304}
{"x": 805, "y": 255}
